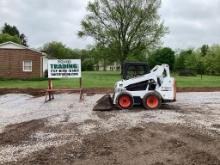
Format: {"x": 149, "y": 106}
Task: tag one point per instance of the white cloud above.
{"x": 191, "y": 22}
{"x": 46, "y": 20}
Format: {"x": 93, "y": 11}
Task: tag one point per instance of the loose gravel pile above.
{"x": 28, "y": 125}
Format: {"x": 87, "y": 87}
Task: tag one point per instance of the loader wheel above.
{"x": 125, "y": 101}
{"x": 152, "y": 100}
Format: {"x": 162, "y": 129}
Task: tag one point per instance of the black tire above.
{"x": 152, "y": 100}
{"x": 125, "y": 101}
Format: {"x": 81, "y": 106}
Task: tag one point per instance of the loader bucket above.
{"x": 104, "y": 103}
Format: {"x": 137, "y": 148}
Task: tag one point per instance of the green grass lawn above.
{"x": 207, "y": 81}
{"x": 104, "y": 80}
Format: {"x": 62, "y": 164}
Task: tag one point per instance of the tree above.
{"x": 186, "y": 63}
{"x": 180, "y": 62}
{"x": 137, "y": 57}
{"x": 87, "y": 59}
{"x": 212, "y": 60}
{"x": 204, "y": 50}
{"x": 103, "y": 55}
{"x": 13, "y": 31}
{"x": 7, "y": 37}
{"x": 124, "y": 26}
{"x": 201, "y": 67}
{"x": 181, "y": 59}
{"x": 191, "y": 61}
{"x": 162, "y": 56}
{"x": 59, "y": 50}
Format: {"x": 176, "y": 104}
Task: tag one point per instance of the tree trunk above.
{"x": 121, "y": 65}
{"x": 104, "y": 65}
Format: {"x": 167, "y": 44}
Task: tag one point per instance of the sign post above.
{"x": 63, "y": 68}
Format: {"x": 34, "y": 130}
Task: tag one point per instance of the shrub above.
{"x": 187, "y": 72}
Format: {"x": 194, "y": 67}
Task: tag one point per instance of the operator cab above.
{"x": 134, "y": 69}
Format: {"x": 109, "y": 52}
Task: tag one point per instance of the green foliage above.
{"x": 13, "y": 31}
{"x": 202, "y": 61}
{"x": 87, "y": 65}
{"x": 162, "y": 56}
{"x": 7, "y": 37}
{"x": 141, "y": 57}
{"x": 204, "y": 50}
{"x": 103, "y": 55}
{"x": 186, "y": 63}
{"x": 212, "y": 60}
{"x": 180, "y": 62}
{"x": 124, "y": 27}
{"x": 60, "y": 51}
{"x": 87, "y": 60}
{"x": 200, "y": 65}
{"x": 104, "y": 79}
{"x": 190, "y": 62}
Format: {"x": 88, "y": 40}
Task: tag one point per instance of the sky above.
{"x": 191, "y": 23}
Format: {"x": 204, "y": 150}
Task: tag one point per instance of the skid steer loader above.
{"x": 140, "y": 86}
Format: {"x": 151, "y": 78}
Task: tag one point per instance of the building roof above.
{"x": 12, "y": 45}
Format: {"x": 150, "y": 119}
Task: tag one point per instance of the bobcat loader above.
{"x": 140, "y": 86}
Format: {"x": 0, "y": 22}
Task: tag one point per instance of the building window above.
{"x": 27, "y": 66}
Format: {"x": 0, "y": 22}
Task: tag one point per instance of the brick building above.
{"x": 18, "y": 61}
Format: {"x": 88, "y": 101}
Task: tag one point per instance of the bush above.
{"x": 187, "y": 72}
{"x": 87, "y": 65}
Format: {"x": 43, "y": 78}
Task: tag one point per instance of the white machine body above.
{"x": 158, "y": 80}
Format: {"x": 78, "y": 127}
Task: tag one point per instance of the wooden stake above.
{"x": 50, "y": 87}
{"x": 81, "y": 89}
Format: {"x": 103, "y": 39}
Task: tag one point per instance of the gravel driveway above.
{"x": 66, "y": 131}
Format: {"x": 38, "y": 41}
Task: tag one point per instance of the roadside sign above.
{"x": 64, "y": 68}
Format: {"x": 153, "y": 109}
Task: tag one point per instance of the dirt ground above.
{"x": 41, "y": 92}
{"x": 66, "y": 131}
